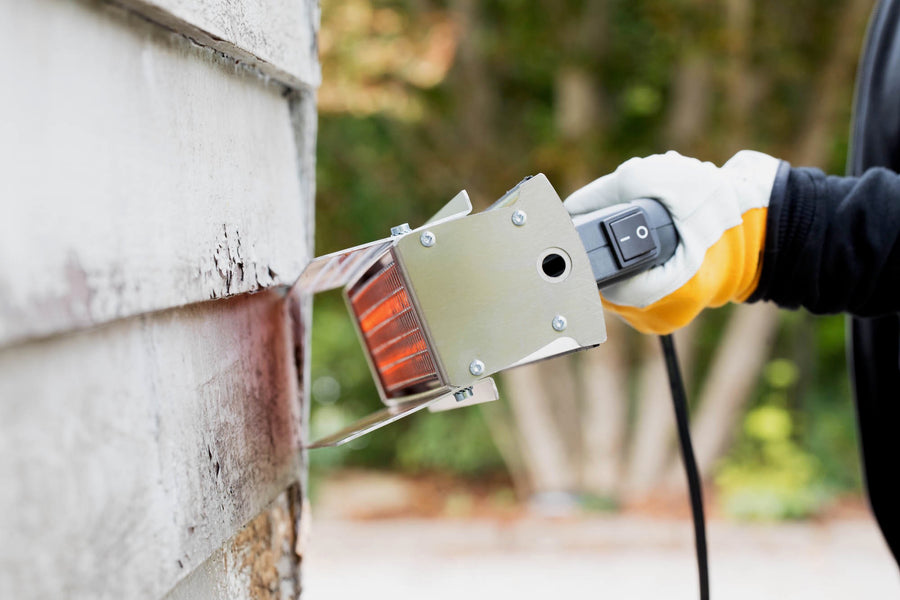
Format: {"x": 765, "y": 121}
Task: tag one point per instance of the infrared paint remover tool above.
{"x": 442, "y": 308}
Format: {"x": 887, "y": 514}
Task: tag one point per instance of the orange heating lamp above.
{"x": 391, "y": 330}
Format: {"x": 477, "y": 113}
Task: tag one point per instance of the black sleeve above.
{"x": 833, "y": 243}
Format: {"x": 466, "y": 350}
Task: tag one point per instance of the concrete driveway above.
{"x": 624, "y": 557}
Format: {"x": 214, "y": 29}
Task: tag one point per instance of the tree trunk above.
{"x": 730, "y": 383}
{"x": 691, "y": 106}
{"x": 651, "y": 447}
{"x": 604, "y": 392}
{"x": 502, "y": 425}
{"x": 738, "y": 76}
{"x": 545, "y": 451}
{"x": 830, "y": 96}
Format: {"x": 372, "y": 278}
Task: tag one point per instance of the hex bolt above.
{"x": 428, "y": 239}
{"x": 519, "y": 217}
{"x": 559, "y": 323}
{"x": 476, "y": 368}
{"x": 401, "y": 229}
{"x": 463, "y": 394}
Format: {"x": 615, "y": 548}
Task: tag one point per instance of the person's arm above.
{"x": 833, "y": 243}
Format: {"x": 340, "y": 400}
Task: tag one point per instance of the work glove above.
{"x": 720, "y": 216}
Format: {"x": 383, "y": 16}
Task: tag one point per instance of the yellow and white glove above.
{"x": 720, "y": 215}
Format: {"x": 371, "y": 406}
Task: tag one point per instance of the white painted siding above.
{"x": 138, "y": 171}
{"x": 156, "y": 197}
{"x": 276, "y": 36}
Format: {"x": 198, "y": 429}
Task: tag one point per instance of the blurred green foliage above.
{"x": 768, "y": 474}
{"x": 797, "y": 448}
{"x": 422, "y": 98}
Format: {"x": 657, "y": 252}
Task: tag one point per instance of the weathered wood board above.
{"x": 156, "y": 196}
{"x": 277, "y": 36}
{"x": 260, "y": 562}
{"x": 131, "y": 452}
{"x": 139, "y": 170}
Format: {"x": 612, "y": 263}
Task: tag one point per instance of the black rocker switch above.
{"x": 632, "y": 235}
{"x": 625, "y": 239}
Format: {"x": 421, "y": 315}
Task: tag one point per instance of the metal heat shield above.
{"x": 441, "y": 308}
{"x": 504, "y": 287}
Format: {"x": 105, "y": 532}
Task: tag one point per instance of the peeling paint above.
{"x": 236, "y": 267}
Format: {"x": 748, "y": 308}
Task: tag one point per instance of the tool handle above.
{"x": 627, "y": 239}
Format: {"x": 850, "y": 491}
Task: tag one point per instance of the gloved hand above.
{"x": 720, "y": 216}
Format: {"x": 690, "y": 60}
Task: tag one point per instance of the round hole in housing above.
{"x": 554, "y": 264}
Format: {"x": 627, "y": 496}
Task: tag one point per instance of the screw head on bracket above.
{"x": 401, "y": 229}
{"x": 476, "y": 367}
{"x": 559, "y": 323}
{"x": 427, "y": 239}
{"x": 519, "y": 217}
{"x": 463, "y": 394}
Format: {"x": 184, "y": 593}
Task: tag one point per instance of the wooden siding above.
{"x": 277, "y": 36}
{"x": 138, "y": 448}
{"x": 140, "y": 172}
{"x": 156, "y": 198}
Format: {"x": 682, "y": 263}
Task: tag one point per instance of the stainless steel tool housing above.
{"x": 441, "y": 308}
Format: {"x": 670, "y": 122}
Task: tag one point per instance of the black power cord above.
{"x": 679, "y": 400}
